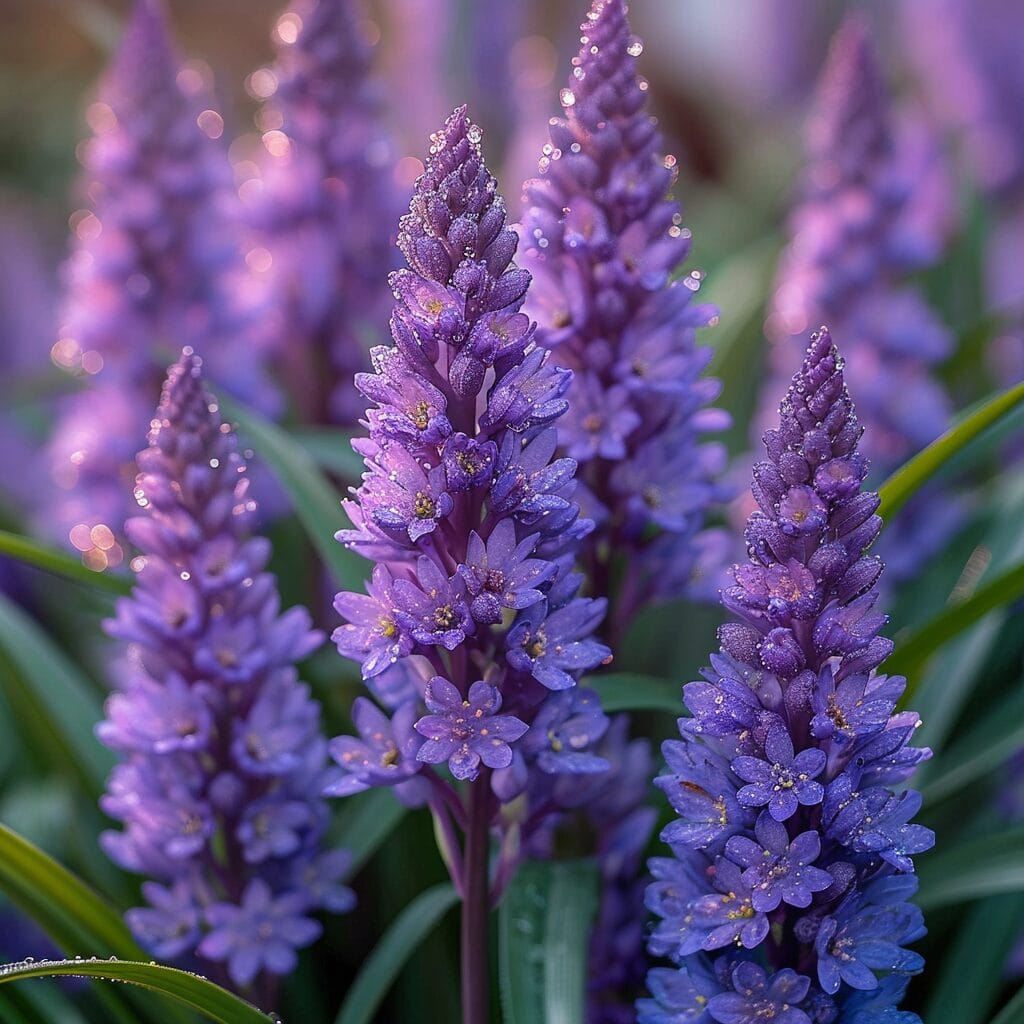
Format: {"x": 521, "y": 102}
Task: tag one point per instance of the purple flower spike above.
{"x": 856, "y": 234}
{"x": 222, "y": 753}
{"x": 603, "y": 241}
{"x": 327, "y": 186}
{"x": 472, "y": 632}
{"x": 788, "y": 841}
{"x": 155, "y": 260}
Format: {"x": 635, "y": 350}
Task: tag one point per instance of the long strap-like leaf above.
{"x": 213, "y": 1002}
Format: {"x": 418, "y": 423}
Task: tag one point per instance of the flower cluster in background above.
{"x": 604, "y": 245}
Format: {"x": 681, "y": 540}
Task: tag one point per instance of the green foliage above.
{"x": 32, "y": 552}
{"x": 544, "y": 929}
{"x": 399, "y": 943}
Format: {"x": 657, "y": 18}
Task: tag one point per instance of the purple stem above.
{"x": 475, "y": 965}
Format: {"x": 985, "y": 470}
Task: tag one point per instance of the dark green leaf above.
{"x": 1013, "y": 1011}
{"x": 910, "y": 477}
{"x": 986, "y": 747}
{"x": 74, "y": 916}
{"x": 54, "y": 690}
{"x": 544, "y": 936}
{"x": 983, "y": 939}
{"x": 31, "y": 552}
{"x": 213, "y": 1002}
{"x": 365, "y": 822}
{"x": 915, "y": 649}
{"x": 401, "y": 940}
{"x": 331, "y": 450}
{"x": 315, "y": 501}
{"x": 628, "y": 691}
{"x": 981, "y": 866}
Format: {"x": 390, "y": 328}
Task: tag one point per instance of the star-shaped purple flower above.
{"x": 435, "y": 611}
{"x": 466, "y": 731}
{"x": 757, "y": 998}
{"x": 781, "y": 781}
{"x": 777, "y": 870}
{"x": 371, "y": 635}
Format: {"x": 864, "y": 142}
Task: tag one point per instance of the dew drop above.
{"x": 567, "y": 97}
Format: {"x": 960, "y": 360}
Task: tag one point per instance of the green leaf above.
{"x": 983, "y": 939}
{"x": 628, "y": 691}
{"x": 52, "y": 688}
{"x": 74, "y": 916}
{"x": 915, "y": 649}
{"x": 987, "y": 746}
{"x": 364, "y": 823}
{"x": 214, "y": 1002}
{"x": 1013, "y": 1011}
{"x": 31, "y": 552}
{"x": 912, "y": 475}
{"x": 316, "y": 503}
{"x": 544, "y": 934}
{"x": 981, "y": 866}
{"x": 401, "y": 940}
{"x": 331, "y": 450}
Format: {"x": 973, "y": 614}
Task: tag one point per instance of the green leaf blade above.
{"x": 32, "y": 552}
{"x": 215, "y": 1003}
{"x": 544, "y": 937}
{"x": 630, "y": 691}
{"x": 382, "y": 966}
{"x": 910, "y": 477}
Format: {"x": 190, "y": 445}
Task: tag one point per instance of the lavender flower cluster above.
{"x": 792, "y": 870}
{"x": 604, "y": 243}
{"x": 327, "y": 189}
{"x": 471, "y": 615}
{"x": 155, "y": 260}
{"x": 869, "y": 214}
{"x": 222, "y": 753}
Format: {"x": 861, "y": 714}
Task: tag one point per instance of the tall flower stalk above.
{"x": 604, "y": 244}
{"x": 787, "y": 896}
{"x": 328, "y": 186}
{"x": 868, "y": 215}
{"x": 155, "y": 259}
{"x": 470, "y": 635}
{"x": 222, "y": 753}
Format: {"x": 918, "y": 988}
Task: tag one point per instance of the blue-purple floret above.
{"x": 222, "y": 756}
{"x": 603, "y": 242}
{"x": 788, "y": 894}
{"x": 862, "y": 225}
{"x": 471, "y": 632}
{"x": 328, "y": 187}
{"x": 155, "y": 260}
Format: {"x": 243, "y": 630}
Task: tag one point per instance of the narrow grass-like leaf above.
{"x": 544, "y": 936}
{"x": 316, "y": 503}
{"x": 912, "y": 475}
{"x": 214, "y": 1002}
{"x": 365, "y": 822}
{"x": 981, "y": 866}
{"x": 986, "y": 747}
{"x": 401, "y": 940}
{"x": 983, "y": 939}
{"x": 1013, "y": 1011}
{"x": 31, "y": 552}
{"x": 915, "y": 649}
{"x": 75, "y": 917}
{"x": 629, "y": 691}
{"x": 57, "y": 691}
{"x": 331, "y": 450}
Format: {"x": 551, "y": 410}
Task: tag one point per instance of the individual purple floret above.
{"x": 223, "y": 760}
{"x": 793, "y": 859}
{"x": 858, "y": 230}
{"x": 603, "y": 243}
{"x": 155, "y": 261}
{"x": 327, "y": 189}
{"x": 470, "y": 519}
